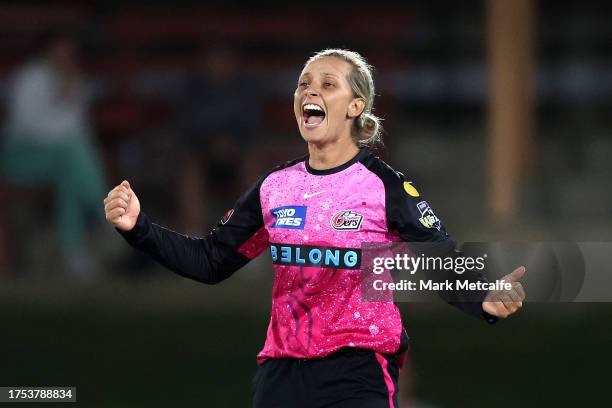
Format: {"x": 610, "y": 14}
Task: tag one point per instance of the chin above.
{"x": 312, "y": 137}
{"x": 317, "y": 135}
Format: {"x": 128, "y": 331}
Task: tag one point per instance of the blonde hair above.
{"x": 367, "y": 127}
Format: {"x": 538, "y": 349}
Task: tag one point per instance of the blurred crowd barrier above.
{"x": 192, "y": 103}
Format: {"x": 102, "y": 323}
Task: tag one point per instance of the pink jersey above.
{"x": 318, "y": 310}
{"x": 313, "y": 223}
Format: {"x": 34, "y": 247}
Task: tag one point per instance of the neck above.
{"x": 331, "y": 154}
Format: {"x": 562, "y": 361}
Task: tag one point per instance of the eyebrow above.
{"x": 324, "y": 74}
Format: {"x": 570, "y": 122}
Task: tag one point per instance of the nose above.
{"x": 311, "y": 92}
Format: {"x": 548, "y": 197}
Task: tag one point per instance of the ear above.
{"x": 355, "y": 108}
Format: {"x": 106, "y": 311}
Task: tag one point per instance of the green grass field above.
{"x": 171, "y": 344}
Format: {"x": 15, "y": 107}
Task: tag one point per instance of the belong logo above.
{"x": 289, "y": 216}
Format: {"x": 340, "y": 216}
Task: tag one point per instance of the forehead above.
{"x": 327, "y": 65}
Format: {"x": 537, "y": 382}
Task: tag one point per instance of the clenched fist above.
{"x": 122, "y": 207}
{"x": 503, "y": 303}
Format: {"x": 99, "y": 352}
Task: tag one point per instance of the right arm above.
{"x": 237, "y": 239}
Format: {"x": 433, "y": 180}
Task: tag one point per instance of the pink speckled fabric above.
{"x": 316, "y": 311}
{"x": 255, "y": 245}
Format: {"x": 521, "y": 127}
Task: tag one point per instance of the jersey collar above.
{"x": 363, "y": 152}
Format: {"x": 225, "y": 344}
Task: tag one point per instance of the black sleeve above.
{"x": 414, "y": 220}
{"x": 237, "y": 238}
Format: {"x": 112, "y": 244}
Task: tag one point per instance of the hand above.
{"x": 122, "y": 207}
{"x": 503, "y": 303}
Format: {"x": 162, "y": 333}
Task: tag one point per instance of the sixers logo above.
{"x": 346, "y": 220}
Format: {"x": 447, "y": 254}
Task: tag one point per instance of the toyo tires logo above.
{"x": 346, "y": 220}
{"x": 289, "y": 216}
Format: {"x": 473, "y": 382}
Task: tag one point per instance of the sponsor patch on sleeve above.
{"x": 428, "y": 218}
{"x": 227, "y": 217}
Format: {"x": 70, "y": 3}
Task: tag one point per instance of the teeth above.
{"x": 312, "y": 106}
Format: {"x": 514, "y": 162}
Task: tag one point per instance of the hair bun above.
{"x": 368, "y": 129}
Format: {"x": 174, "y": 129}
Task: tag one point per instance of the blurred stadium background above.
{"x": 498, "y": 110}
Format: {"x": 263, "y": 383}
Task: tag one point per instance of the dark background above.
{"x": 136, "y": 335}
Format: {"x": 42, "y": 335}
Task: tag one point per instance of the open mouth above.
{"x": 313, "y": 115}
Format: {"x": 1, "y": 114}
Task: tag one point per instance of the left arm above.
{"x": 413, "y": 219}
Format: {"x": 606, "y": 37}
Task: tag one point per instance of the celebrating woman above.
{"x": 325, "y": 346}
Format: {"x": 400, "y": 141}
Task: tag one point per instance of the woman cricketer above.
{"x": 325, "y": 346}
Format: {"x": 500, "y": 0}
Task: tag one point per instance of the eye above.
{"x": 303, "y": 84}
{"x": 328, "y": 85}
